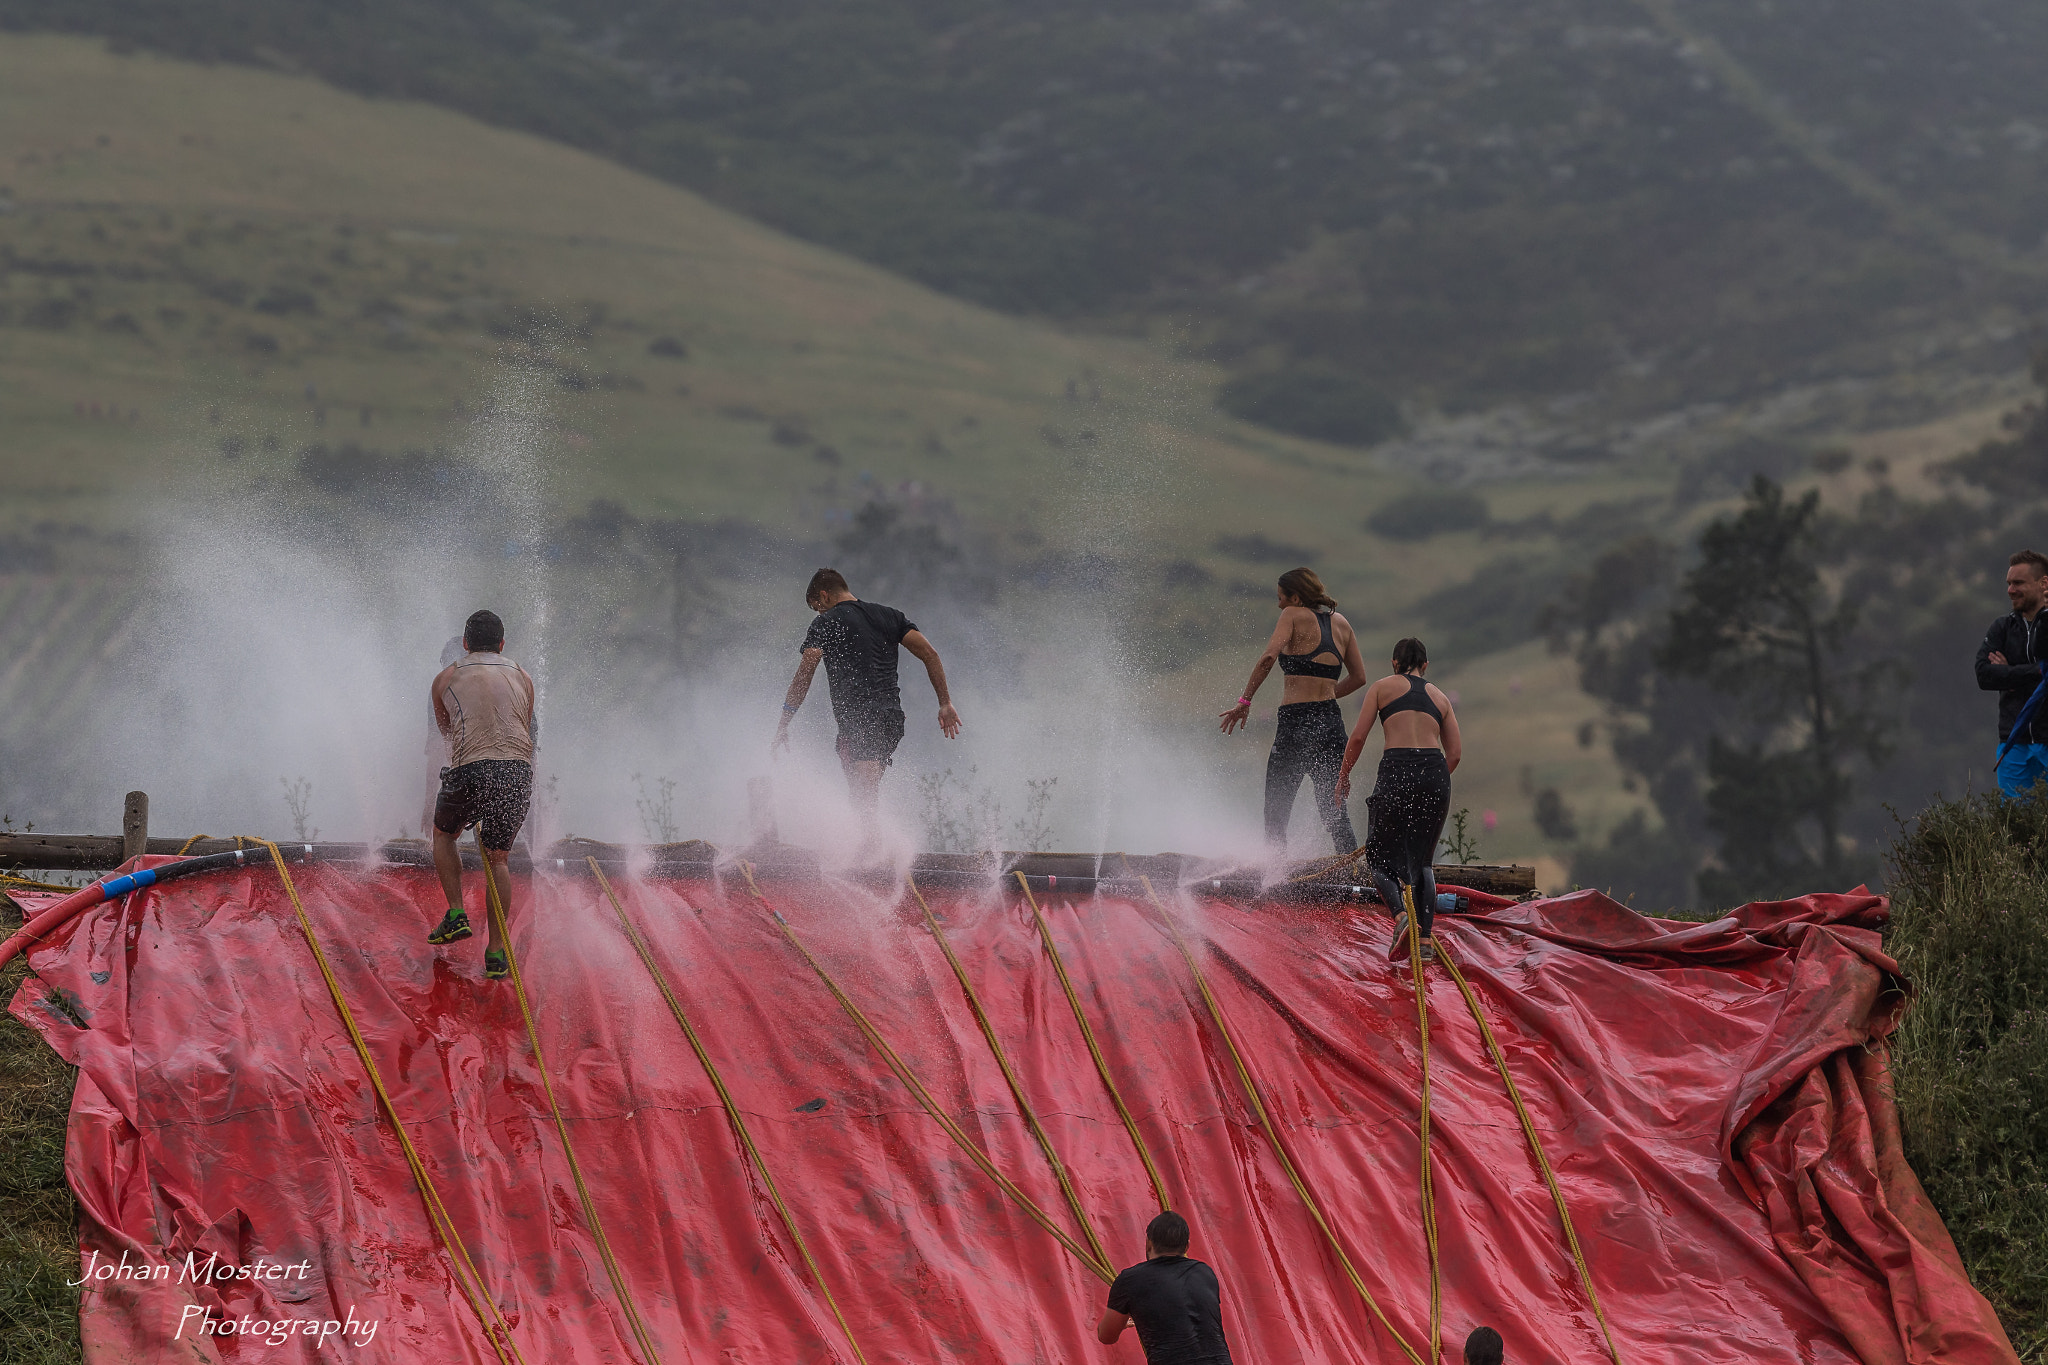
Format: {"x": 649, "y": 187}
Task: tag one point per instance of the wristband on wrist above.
{"x": 1244, "y": 701}
{"x": 788, "y": 710}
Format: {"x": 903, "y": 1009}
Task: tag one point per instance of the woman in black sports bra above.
{"x": 1309, "y": 740}
{"x": 1412, "y": 794}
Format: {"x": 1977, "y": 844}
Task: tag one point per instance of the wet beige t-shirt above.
{"x": 485, "y": 704}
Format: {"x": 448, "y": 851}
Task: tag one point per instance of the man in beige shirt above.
{"x": 483, "y": 706}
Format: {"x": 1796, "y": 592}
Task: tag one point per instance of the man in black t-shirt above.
{"x": 857, "y": 641}
{"x": 1174, "y": 1300}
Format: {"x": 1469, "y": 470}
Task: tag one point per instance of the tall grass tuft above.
{"x": 1970, "y": 927}
{"x": 38, "y": 1220}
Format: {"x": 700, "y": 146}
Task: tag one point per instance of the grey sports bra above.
{"x": 1305, "y": 666}
{"x": 1415, "y": 699}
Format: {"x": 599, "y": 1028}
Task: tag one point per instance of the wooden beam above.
{"x": 135, "y": 826}
{"x": 1495, "y": 879}
{"x": 97, "y": 852}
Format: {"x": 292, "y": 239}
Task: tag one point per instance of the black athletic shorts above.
{"x": 873, "y": 739}
{"x": 491, "y": 794}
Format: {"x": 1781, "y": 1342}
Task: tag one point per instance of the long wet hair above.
{"x": 1409, "y": 655}
{"x": 1304, "y": 587}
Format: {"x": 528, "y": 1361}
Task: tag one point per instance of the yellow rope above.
{"x": 191, "y": 841}
{"x": 31, "y": 884}
{"x": 1059, "y": 966}
{"x": 467, "y": 1279}
{"x": 1251, "y": 1091}
{"x": 732, "y": 1109}
{"x": 995, "y": 1046}
{"x": 540, "y": 1061}
{"x": 1564, "y": 1216}
{"x": 1099, "y": 1268}
{"x": 1428, "y": 1183}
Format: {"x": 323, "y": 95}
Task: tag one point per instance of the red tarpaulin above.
{"x": 1718, "y": 1119}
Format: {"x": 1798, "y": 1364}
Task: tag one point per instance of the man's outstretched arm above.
{"x": 799, "y": 687}
{"x": 949, "y": 719}
{"x": 1111, "y": 1326}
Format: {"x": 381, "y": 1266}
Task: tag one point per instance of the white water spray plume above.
{"x": 290, "y": 635}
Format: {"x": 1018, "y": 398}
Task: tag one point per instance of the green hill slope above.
{"x": 226, "y": 283}
{"x": 1663, "y": 202}
{"x": 175, "y": 230}
{"x": 215, "y": 280}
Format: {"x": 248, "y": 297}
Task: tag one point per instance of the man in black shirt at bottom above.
{"x": 857, "y": 642}
{"x": 1174, "y": 1300}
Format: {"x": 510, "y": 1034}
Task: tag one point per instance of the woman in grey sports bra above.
{"x": 1315, "y": 649}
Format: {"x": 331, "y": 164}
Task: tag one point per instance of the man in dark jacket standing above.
{"x": 2009, "y": 663}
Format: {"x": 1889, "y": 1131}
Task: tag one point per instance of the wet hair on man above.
{"x": 1168, "y": 1234}
{"x": 1484, "y": 1347}
{"x": 483, "y": 631}
{"x": 825, "y": 583}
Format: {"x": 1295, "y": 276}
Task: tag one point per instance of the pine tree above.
{"x": 1757, "y": 620}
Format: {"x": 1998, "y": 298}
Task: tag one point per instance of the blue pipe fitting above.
{"x": 121, "y": 886}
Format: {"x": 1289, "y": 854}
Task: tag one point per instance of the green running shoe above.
{"x": 453, "y": 928}
{"x": 496, "y": 965}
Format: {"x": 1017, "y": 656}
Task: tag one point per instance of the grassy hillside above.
{"x": 206, "y": 271}
{"x": 1664, "y": 202}
{"x": 1971, "y": 1059}
{"x": 183, "y": 238}
{"x": 235, "y": 282}
{"x": 204, "y": 265}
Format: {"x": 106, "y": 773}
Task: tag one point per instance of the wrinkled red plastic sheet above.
{"x": 1721, "y": 1130}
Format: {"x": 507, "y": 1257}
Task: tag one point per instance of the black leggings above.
{"x": 1404, "y": 819}
{"x": 1309, "y": 743}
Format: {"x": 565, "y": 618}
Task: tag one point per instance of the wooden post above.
{"x": 135, "y": 826}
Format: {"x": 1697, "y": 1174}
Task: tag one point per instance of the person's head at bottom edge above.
{"x": 1484, "y": 1347}
{"x": 1166, "y": 1235}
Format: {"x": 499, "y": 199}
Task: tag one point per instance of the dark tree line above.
{"x": 1785, "y": 683}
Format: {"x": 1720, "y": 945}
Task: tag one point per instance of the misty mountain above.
{"x": 1452, "y": 202}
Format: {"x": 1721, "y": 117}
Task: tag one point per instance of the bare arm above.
{"x": 949, "y": 719}
{"x": 1454, "y": 744}
{"x": 1354, "y": 665}
{"x": 1237, "y": 715}
{"x": 532, "y": 709}
{"x": 1367, "y": 714}
{"x": 799, "y": 687}
{"x": 1112, "y": 1326}
{"x": 442, "y": 720}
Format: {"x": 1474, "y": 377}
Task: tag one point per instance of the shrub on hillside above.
{"x": 1327, "y": 405}
{"x": 1970, "y": 928}
{"x": 1432, "y": 512}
